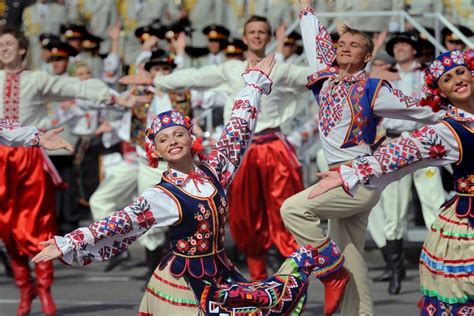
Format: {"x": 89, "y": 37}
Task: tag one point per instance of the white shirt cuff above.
{"x": 258, "y": 80}
{"x": 64, "y": 246}
{"x": 349, "y": 178}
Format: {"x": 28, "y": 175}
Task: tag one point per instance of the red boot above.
{"x": 329, "y": 269}
{"x": 21, "y": 272}
{"x": 44, "y": 278}
{"x": 334, "y": 286}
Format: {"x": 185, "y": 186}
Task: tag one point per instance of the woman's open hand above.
{"x": 52, "y": 141}
{"x": 49, "y": 252}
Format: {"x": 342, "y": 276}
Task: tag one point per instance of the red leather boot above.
{"x": 21, "y": 272}
{"x": 44, "y": 279}
{"x": 329, "y": 269}
{"x": 334, "y": 287}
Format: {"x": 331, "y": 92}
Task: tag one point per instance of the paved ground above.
{"x": 90, "y": 291}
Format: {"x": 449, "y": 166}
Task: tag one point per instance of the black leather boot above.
{"x": 387, "y": 273}
{"x": 397, "y": 265}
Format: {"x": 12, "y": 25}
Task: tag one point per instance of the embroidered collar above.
{"x": 351, "y": 78}
{"x": 360, "y": 75}
{"x": 459, "y": 115}
{"x": 180, "y": 179}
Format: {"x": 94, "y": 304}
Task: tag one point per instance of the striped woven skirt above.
{"x": 447, "y": 267}
{"x": 167, "y": 295}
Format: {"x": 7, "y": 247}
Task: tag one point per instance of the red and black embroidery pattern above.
{"x": 11, "y": 96}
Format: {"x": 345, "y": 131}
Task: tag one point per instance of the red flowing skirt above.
{"x": 268, "y": 175}
{"x": 27, "y": 204}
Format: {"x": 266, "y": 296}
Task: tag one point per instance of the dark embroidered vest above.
{"x": 463, "y": 172}
{"x": 180, "y": 101}
{"x": 197, "y": 241}
{"x": 362, "y": 95}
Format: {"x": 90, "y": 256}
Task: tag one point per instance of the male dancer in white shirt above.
{"x": 351, "y": 105}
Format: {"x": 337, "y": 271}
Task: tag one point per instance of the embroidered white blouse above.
{"x": 155, "y": 208}
{"x": 434, "y": 145}
{"x": 14, "y": 134}
{"x": 335, "y": 114}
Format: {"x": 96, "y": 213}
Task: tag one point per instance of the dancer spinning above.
{"x": 446, "y": 262}
{"x": 196, "y": 276}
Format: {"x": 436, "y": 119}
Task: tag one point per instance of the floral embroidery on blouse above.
{"x": 180, "y": 179}
{"x": 407, "y": 150}
{"x": 431, "y": 142}
{"x": 364, "y": 169}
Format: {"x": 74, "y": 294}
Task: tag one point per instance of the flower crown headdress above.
{"x": 165, "y": 120}
{"x": 442, "y": 64}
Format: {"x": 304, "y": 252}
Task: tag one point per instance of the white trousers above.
{"x": 120, "y": 187}
{"x": 387, "y": 221}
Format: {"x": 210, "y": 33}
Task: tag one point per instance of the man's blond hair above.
{"x": 369, "y": 43}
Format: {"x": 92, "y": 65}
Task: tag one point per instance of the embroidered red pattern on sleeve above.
{"x": 424, "y": 143}
{"x": 235, "y": 138}
{"x": 134, "y": 220}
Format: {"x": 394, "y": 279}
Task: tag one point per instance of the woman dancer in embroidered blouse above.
{"x": 447, "y": 257}
{"x": 196, "y": 277}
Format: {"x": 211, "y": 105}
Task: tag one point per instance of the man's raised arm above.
{"x": 317, "y": 42}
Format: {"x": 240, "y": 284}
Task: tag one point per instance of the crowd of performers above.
{"x": 249, "y": 177}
